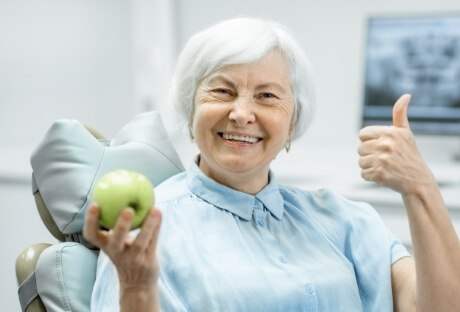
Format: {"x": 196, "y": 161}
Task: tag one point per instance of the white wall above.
{"x": 63, "y": 59}
{"x": 154, "y": 46}
{"x": 95, "y": 60}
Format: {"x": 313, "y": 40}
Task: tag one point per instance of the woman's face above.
{"x": 242, "y": 120}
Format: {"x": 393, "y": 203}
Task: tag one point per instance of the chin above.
{"x": 239, "y": 164}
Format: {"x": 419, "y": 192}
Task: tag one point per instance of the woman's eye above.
{"x": 221, "y": 94}
{"x": 267, "y": 95}
{"x": 222, "y": 91}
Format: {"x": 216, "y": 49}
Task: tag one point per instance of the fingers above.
{"x": 373, "y": 158}
{"x": 371, "y": 132}
{"x": 373, "y": 174}
{"x": 120, "y": 239}
{"x": 366, "y": 162}
{"x": 119, "y": 233}
{"x": 90, "y": 227}
{"x": 389, "y": 156}
{"x": 91, "y": 230}
{"x": 400, "y": 119}
{"x": 366, "y": 148}
{"x": 153, "y": 242}
{"x": 116, "y": 238}
{"x": 147, "y": 238}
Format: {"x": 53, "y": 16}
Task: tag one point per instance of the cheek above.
{"x": 280, "y": 124}
{"x": 209, "y": 114}
{"x": 203, "y": 98}
{"x": 284, "y": 115}
{"x": 202, "y": 119}
{"x": 205, "y": 121}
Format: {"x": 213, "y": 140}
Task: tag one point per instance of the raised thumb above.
{"x": 400, "y": 119}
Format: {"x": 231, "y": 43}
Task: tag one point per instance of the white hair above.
{"x": 242, "y": 40}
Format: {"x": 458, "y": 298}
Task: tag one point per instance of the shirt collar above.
{"x": 236, "y": 202}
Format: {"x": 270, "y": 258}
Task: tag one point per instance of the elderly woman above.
{"x": 232, "y": 239}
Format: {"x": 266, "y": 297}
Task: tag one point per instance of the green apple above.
{"x": 120, "y": 189}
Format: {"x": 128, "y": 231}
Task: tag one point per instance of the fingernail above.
{"x": 154, "y": 216}
{"x": 127, "y": 212}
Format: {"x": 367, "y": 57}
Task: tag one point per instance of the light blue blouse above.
{"x": 284, "y": 249}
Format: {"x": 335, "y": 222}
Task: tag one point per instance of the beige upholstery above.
{"x": 26, "y": 263}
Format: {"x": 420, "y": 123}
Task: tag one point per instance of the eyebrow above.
{"x": 271, "y": 84}
{"x": 226, "y": 81}
{"x": 220, "y": 78}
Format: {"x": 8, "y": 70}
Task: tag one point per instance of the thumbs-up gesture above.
{"x": 389, "y": 155}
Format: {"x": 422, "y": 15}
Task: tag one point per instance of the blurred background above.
{"x": 103, "y": 62}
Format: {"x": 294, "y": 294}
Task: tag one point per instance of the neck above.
{"x": 245, "y": 181}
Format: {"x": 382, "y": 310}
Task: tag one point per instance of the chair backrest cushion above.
{"x": 70, "y": 160}
{"x": 66, "y": 164}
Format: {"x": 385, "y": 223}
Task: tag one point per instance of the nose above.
{"x": 242, "y": 111}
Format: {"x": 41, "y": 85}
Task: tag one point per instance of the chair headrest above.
{"x": 70, "y": 160}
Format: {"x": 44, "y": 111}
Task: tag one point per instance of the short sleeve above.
{"x": 398, "y": 250}
{"x": 373, "y": 249}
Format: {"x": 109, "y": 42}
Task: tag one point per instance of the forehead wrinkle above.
{"x": 275, "y": 85}
{"x": 236, "y": 75}
{"x": 220, "y": 78}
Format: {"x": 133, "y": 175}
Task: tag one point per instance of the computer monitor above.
{"x": 420, "y": 55}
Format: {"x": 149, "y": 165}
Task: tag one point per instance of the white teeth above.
{"x": 239, "y": 138}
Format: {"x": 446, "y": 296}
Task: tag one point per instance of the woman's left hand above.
{"x": 390, "y": 157}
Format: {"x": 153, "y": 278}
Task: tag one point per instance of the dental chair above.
{"x": 65, "y": 166}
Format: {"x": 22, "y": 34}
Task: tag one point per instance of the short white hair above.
{"x": 242, "y": 40}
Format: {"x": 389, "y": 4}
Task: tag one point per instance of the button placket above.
{"x": 311, "y": 300}
{"x": 259, "y": 213}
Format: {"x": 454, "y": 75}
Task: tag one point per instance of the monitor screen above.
{"x": 419, "y": 55}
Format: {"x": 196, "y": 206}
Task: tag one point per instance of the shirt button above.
{"x": 282, "y": 259}
{"x": 261, "y": 222}
{"x": 309, "y": 289}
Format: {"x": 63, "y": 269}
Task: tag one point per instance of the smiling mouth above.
{"x": 239, "y": 139}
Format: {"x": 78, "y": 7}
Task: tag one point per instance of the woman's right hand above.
{"x": 134, "y": 257}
